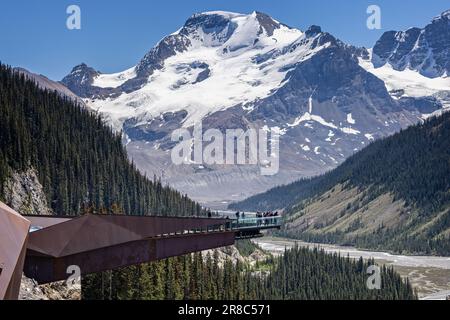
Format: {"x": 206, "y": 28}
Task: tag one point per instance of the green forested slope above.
{"x": 300, "y": 274}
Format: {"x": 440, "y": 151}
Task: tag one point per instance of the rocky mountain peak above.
{"x": 217, "y": 24}
{"x": 83, "y": 68}
{"x": 80, "y": 79}
{"x": 228, "y": 31}
{"x": 82, "y": 73}
{"x": 444, "y": 16}
{"x": 425, "y": 50}
{"x": 313, "y": 31}
{"x": 217, "y": 27}
{"x": 267, "y": 23}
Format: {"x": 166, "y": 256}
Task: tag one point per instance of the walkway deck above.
{"x": 50, "y": 245}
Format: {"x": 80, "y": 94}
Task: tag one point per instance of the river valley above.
{"x": 430, "y": 275}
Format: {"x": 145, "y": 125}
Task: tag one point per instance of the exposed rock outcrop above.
{"x": 233, "y": 253}
{"x": 24, "y": 193}
{"x": 30, "y": 290}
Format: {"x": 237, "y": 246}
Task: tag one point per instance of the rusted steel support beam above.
{"x": 49, "y": 269}
{"x": 13, "y": 244}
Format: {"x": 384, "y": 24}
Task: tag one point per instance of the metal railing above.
{"x": 234, "y": 225}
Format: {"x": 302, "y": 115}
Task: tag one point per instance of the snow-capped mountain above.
{"x": 414, "y": 63}
{"x": 228, "y": 70}
{"x": 203, "y": 68}
{"x": 426, "y": 50}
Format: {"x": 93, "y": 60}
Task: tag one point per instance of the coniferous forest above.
{"x": 84, "y": 168}
{"x": 299, "y": 274}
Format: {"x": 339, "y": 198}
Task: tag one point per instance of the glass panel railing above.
{"x": 231, "y": 225}
{"x": 243, "y": 223}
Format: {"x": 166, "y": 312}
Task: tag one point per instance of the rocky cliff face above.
{"x": 233, "y": 254}
{"x": 24, "y": 193}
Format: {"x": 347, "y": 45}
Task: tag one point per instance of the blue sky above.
{"x": 116, "y": 34}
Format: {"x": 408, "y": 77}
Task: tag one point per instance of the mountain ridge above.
{"x": 426, "y": 50}
{"x": 229, "y": 70}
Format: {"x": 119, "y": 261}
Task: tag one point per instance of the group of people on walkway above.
{"x": 267, "y": 214}
{"x": 267, "y": 217}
